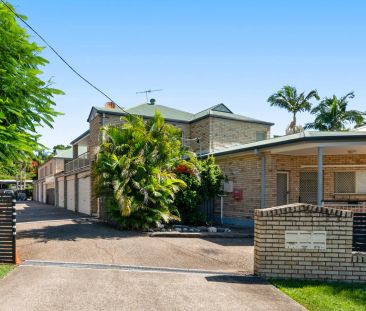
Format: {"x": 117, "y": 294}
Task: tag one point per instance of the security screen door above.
{"x": 308, "y": 187}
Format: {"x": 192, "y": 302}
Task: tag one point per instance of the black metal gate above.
{"x": 207, "y": 209}
{"x": 359, "y": 232}
{"x": 7, "y": 230}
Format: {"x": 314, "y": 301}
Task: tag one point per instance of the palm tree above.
{"x": 332, "y": 114}
{"x": 288, "y": 99}
{"x": 135, "y": 174}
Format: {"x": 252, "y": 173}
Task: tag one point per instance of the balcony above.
{"x": 78, "y": 163}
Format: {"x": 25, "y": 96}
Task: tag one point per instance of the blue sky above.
{"x": 200, "y": 53}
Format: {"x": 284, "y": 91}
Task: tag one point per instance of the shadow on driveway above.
{"x": 77, "y": 229}
{"x": 231, "y": 241}
{"x": 33, "y": 211}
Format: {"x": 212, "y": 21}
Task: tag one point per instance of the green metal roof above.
{"x": 169, "y": 113}
{"x": 64, "y": 154}
{"x": 295, "y": 138}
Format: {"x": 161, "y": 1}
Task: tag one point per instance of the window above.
{"x": 344, "y": 182}
{"x": 260, "y": 136}
{"x": 51, "y": 168}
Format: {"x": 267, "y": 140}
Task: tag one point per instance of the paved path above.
{"x": 71, "y": 263}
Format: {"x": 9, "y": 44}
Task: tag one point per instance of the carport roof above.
{"x": 349, "y": 136}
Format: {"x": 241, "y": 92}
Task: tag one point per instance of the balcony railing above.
{"x": 80, "y": 162}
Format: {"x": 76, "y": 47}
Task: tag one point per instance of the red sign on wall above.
{"x": 238, "y": 194}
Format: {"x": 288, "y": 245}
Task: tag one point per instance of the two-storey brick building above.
{"x": 311, "y": 167}
{"x": 211, "y": 130}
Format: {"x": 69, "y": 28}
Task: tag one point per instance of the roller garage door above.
{"x": 71, "y": 194}
{"x": 61, "y": 189}
{"x": 84, "y": 195}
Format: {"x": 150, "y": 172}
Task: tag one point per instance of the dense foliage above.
{"x": 25, "y": 100}
{"x": 135, "y": 171}
{"x": 203, "y": 183}
{"x": 332, "y": 114}
{"x": 145, "y": 177}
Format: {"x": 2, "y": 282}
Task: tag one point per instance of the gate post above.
{"x": 14, "y": 230}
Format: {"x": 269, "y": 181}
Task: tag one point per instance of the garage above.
{"x": 70, "y": 194}
{"x": 50, "y": 196}
{"x": 61, "y": 193}
{"x": 84, "y": 195}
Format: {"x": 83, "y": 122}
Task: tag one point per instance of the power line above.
{"x": 59, "y": 56}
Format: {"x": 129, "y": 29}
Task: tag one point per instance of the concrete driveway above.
{"x": 71, "y": 263}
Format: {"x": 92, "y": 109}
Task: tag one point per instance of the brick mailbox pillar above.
{"x": 301, "y": 241}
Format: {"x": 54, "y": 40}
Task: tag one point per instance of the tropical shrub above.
{"x": 203, "y": 179}
{"x": 135, "y": 171}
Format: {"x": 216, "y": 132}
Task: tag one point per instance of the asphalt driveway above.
{"x": 73, "y": 263}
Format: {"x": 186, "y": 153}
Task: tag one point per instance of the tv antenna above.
{"x": 147, "y": 92}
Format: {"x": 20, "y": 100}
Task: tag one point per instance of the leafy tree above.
{"x": 134, "y": 171}
{"x": 332, "y": 114}
{"x": 13, "y": 170}
{"x": 289, "y": 99}
{"x": 26, "y": 101}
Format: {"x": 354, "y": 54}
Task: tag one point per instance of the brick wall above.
{"x": 336, "y": 262}
{"x": 227, "y": 133}
{"x": 245, "y": 172}
{"x": 94, "y": 141}
{"x": 201, "y": 129}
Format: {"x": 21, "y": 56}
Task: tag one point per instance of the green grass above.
{"x": 324, "y": 296}
{"x": 5, "y": 269}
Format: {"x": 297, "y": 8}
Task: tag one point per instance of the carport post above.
{"x": 263, "y": 182}
{"x": 320, "y": 176}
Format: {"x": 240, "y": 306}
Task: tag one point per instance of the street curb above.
{"x": 225, "y": 235}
